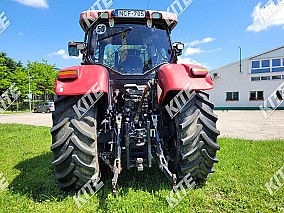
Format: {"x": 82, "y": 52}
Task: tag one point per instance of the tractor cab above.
{"x": 128, "y": 42}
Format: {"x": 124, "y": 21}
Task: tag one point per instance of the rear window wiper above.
{"x": 129, "y": 29}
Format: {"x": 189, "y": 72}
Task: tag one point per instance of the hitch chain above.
{"x": 106, "y": 161}
{"x": 117, "y": 162}
{"x": 162, "y": 159}
{"x": 163, "y": 164}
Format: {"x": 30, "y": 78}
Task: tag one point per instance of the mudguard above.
{"x": 90, "y": 79}
{"x": 176, "y": 77}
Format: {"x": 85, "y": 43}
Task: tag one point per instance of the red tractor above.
{"x": 130, "y": 100}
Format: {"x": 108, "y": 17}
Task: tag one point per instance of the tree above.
{"x": 7, "y": 67}
{"x": 43, "y": 76}
{"x": 8, "y": 72}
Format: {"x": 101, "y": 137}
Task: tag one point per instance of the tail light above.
{"x": 68, "y": 74}
{"x": 199, "y": 71}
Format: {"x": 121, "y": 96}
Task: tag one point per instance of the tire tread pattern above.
{"x": 197, "y": 137}
{"x": 74, "y": 144}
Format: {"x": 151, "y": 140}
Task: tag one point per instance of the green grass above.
{"x": 238, "y": 185}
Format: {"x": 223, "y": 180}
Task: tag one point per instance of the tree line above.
{"x": 40, "y": 74}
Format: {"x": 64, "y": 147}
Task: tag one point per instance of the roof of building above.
{"x": 249, "y": 58}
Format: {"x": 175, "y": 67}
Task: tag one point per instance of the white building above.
{"x": 259, "y": 78}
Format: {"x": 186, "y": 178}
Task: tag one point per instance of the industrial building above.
{"x": 251, "y": 82}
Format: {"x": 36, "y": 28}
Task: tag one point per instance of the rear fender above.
{"x": 90, "y": 79}
{"x": 177, "y": 77}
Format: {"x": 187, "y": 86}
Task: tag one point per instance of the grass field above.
{"x": 238, "y": 185}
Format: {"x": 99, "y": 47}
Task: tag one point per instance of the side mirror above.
{"x": 178, "y": 48}
{"x": 75, "y": 47}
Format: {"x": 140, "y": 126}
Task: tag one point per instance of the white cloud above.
{"x": 191, "y": 51}
{"x": 59, "y": 52}
{"x": 197, "y": 42}
{"x": 64, "y": 55}
{"x": 264, "y": 17}
{"x": 20, "y": 33}
{"x": 214, "y": 50}
{"x": 186, "y": 60}
{"x": 34, "y": 3}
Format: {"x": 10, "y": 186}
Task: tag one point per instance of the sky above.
{"x": 212, "y": 31}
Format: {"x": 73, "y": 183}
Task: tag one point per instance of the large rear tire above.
{"x": 74, "y": 144}
{"x": 195, "y": 141}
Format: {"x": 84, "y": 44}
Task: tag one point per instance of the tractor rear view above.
{"x": 129, "y": 99}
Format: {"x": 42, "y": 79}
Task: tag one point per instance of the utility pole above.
{"x": 30, "y": 104}
{"x": 240, "y": 59}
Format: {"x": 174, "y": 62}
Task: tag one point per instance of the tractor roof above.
{"x": 128, "y": 16}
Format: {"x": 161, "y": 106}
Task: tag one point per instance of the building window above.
{"x": 255, "y": 78}
{"x": 232, "y": 96}
{"x": 260, "y": 95}
{"x": 276, "y": 62}
{"x": 276, "y": 77}
{"x": 265, "y": 63}
{"x": 278, "y": 69}
{"x": 260, "y": 70}
{"x": 255, "y": 64}
{"x": 265, "y": 78}
{"x": 262, "y": 66}
{"x": 256, "y": 96}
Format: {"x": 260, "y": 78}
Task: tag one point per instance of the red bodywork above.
{"x": 176, "y": 77}
{"x": 95, "y": 78}
{"x": 90, "y": 79}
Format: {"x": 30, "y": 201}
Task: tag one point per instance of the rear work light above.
{"x": 103, "y": 15}
{"x": 68, "y": 74}
{"x": 156, "y": 15}
{"x": 199, "y": 71}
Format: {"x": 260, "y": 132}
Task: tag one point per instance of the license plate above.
{"x": 130, "y": 13}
